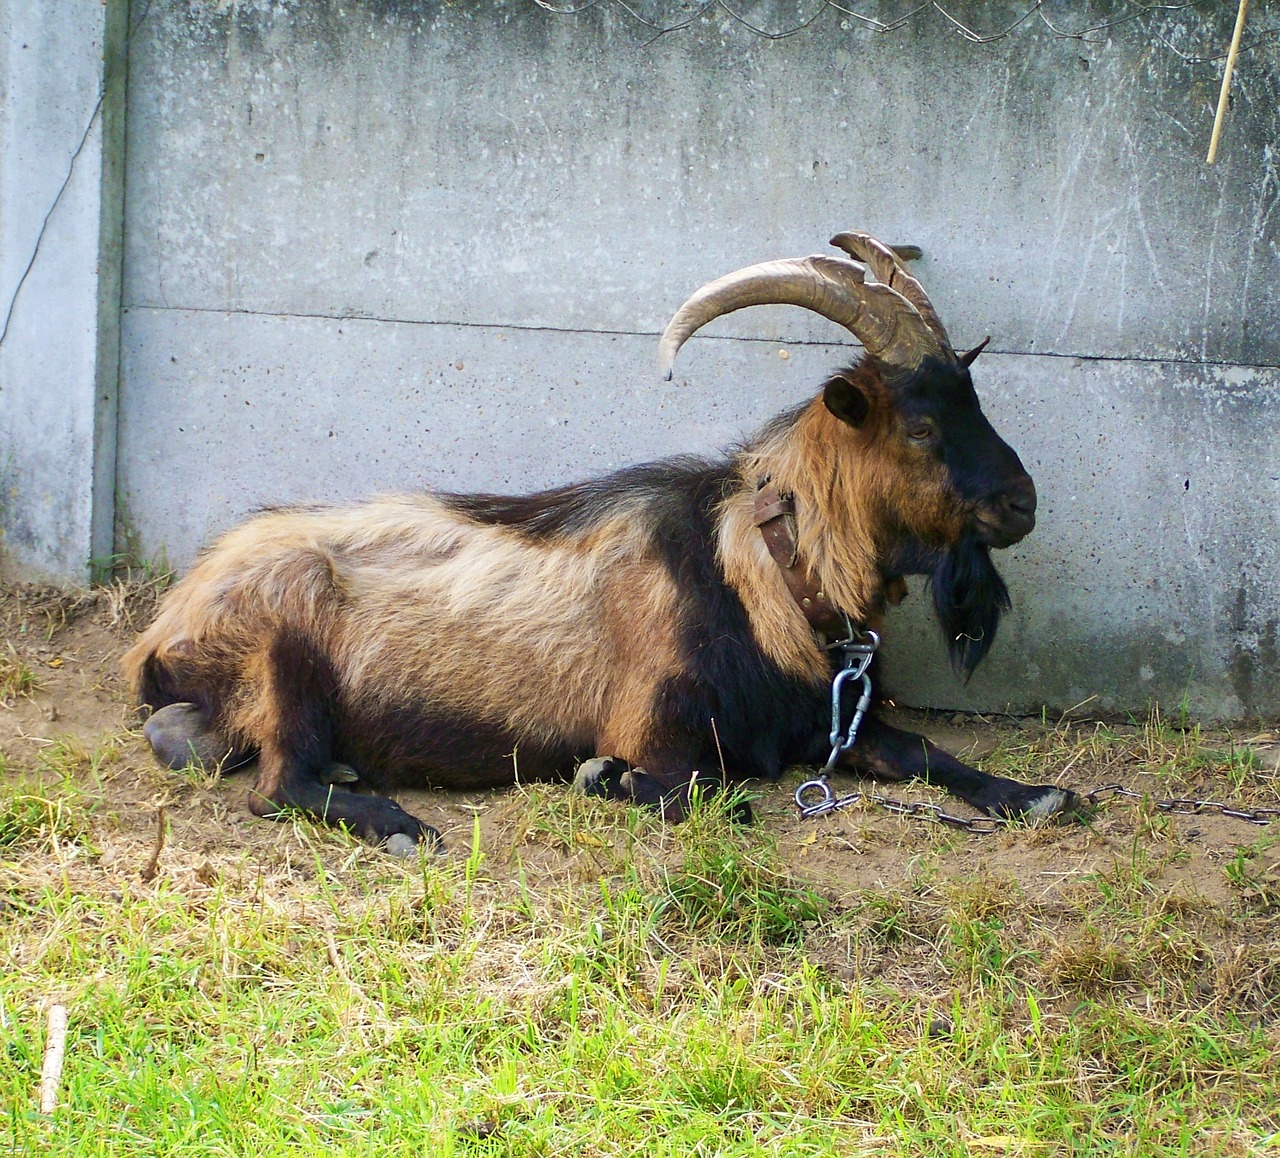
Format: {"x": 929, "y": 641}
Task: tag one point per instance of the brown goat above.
{"x": 665, "y": 622}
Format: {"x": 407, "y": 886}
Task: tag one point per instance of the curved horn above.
{"x": 880, "y": 317}
{"x": 886, "y": 263}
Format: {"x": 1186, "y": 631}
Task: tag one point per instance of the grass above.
{"x": 586, "y": 981}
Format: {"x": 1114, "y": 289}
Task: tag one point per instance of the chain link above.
{"x": 916, "y": 809}
{"x": 859, "y": 649}
{"x": 923, "y": 810}
{"x": 1185, "y": 806}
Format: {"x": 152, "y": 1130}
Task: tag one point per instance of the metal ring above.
{"x": 813, "y": 786}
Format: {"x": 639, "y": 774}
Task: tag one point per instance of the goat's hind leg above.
{"x": 295, "y": 757}
{"x": 179, "y": 723}
{"x": 182, "y": 734}
{"x": 890, "y": 753}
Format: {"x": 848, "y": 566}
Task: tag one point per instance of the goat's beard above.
{"x": 969, "y": 597}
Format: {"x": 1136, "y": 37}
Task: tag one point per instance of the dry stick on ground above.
{"x": 335, "y": 958}
{"x": 55, "y": 1047}
{"x": 1226, "y": 83}
{"x": 149, "y": 870}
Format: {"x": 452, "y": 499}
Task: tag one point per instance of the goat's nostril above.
{"x": 1020, "y": 499}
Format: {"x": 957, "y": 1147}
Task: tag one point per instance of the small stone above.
{"x": 398, "y": 844}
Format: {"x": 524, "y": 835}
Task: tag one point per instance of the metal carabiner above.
{"x": 858, "y": 656}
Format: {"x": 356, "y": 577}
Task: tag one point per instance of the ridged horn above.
{"x": 888, "y": 325}
{"x": 886, "y": 263}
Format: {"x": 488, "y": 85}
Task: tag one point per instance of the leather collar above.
{"x": 775, "y": 515}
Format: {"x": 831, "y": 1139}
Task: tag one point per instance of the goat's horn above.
{"x": 885, "y": 322}
{"x": 886, "y": 263}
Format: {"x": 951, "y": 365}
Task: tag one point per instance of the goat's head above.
{"x": 945, "y": 487}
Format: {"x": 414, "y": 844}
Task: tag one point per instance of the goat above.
{"x": 663, "y": 623}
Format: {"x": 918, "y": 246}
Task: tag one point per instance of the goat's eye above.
{"x": 921, "y": 433}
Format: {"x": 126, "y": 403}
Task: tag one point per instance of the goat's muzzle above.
{"x": 1004, "y": 518}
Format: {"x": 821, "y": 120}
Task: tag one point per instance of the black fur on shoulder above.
{"x": 969, "y": 597}
{"x": 564, "y": 510}
{"x": 742, "y": 708}
{"x": 732, "y": 705}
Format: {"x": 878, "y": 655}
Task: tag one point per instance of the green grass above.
{"x": 591, "y": 982}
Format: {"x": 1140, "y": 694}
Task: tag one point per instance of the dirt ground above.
{"x": 75, "y": 712}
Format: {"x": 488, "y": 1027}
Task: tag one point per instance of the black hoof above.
{"x": 180, "y": 736}
{"x": 602, "y": 776}
{"x": 1043, "y": 803}
{"x": 387, "y": 821}
{"x": 374, "y": 819}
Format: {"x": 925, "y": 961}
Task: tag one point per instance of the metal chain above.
{"x": 917, "y": 809}
{"x": 1186, "y": 806}
{"x": 858, "y": 649}
{"x": 922, "y": 810}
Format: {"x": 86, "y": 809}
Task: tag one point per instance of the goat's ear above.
{"x": 968, "y": 358}
{"x": 846, "y": 400}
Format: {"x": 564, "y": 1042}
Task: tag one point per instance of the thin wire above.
{"x": 1142, "y": 13}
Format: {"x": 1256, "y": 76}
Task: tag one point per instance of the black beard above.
{"x": 969, "y": 597}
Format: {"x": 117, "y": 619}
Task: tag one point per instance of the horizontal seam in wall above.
{"x": 1144, "y": 358}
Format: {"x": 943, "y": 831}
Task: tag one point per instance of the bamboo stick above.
{"x": 1226, "y": 83}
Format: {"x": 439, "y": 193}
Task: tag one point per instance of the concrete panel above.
{"x": 496, "y": 164}
{"x": 374, "y": 245}
{"x": 228, "y": 413}
{"x": 60, "y": 220}
{"x": 1147, "y": 578}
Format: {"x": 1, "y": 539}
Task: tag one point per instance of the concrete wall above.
{"x": 375, "y": 245}
{"x": 62, "y": 73}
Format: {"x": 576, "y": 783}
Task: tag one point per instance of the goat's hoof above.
{"x": 1042, "y": 804}
{"x": 602, "y": 776}
{"x": 180, "y": 736}
{"x": 380, "y": 821}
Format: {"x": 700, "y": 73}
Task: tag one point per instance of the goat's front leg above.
{"x": 668, "y": 790}
{"x": 282, "y": 791}
{"x": 889, "y": 753}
